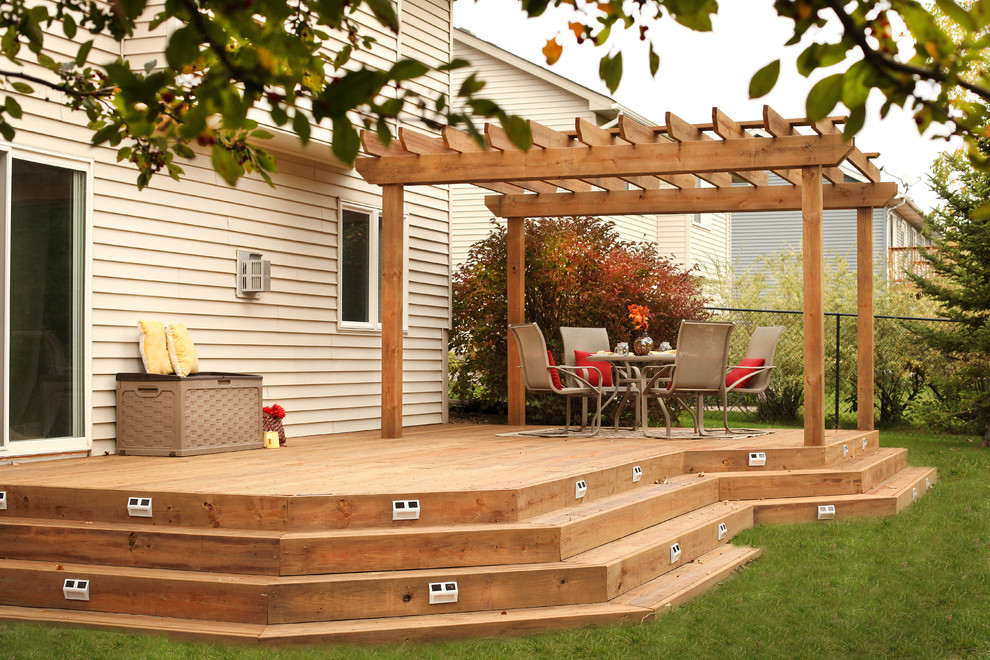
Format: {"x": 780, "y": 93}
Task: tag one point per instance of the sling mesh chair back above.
{"x": 698, "y": 369}
{"x": 752, "y": 375}
{"x": 538, "y": 374}
{"x": 593, "y": 340}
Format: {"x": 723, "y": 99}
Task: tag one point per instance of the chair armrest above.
{"x": 578, "y": 373}
{"x": 752, "y": 374}
{"x": 662, "y": 371}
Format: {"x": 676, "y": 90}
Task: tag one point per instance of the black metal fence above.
{"x": 901, "y": 363}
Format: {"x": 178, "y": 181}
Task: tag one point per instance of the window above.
{"x": 43, "y": 352}
{"x": 703, "y": 220}
{"x": 360, "y": 274}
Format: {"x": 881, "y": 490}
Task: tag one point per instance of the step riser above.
{"x": 906, "y": 498}
{"x": 808, "y": 511}
{"x": 140, "y": 547}
{"x": 178, "y": 598}
{"x": 794, "y": 458}
{"x": 591, "y": 532}
{"x": 654, "y": 561}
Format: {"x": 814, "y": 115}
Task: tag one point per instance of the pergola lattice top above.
{"x": 635, "y": 169}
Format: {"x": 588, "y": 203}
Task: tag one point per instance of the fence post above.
{"x": 838, "y": 319}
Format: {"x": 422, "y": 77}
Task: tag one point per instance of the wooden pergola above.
{"x": 637, "y": 169}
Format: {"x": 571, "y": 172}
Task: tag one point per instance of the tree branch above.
{"x": 61, "y": 87}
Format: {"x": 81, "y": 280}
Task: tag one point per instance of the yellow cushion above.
{"x": 181, "y": 351}
{"x": 154, "y": 353}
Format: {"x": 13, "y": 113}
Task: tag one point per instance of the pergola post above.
{"x": 392, "y": 239}
{"x": 864, "y": 319}
{"x": 814, "y": 306}
{"x": 516, "y": 300}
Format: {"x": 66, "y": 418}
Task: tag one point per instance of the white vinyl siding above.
{"x": 169, "y": 253}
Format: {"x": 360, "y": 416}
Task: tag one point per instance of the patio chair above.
{"x": 752, "y": 375}
{"x": 592, "y": 340}
{"x": 537, "y": 375}
{"x": 698, "y": 370}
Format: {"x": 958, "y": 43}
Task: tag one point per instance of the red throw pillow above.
{"x": 596, "y": 368}
{"x": 554, "y": 376}
{"x": 745, "y": 368}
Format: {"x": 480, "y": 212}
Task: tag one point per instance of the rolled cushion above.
{"x": 554, "y": 375}
{"x": 595, "y": 368}
{"x": 154, "y": 351}
{"x": 181, "y": 351}
{"x": 747, "y": 367}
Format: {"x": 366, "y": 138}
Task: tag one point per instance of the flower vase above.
{"x": 270, "y": 422}
{"x": 642, "y": 344}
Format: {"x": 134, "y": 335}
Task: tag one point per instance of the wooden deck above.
{"x": 299, "y": 545}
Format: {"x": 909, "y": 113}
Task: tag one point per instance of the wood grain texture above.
{"x": 393, "y": 285}
{"x": 864, "y": 317}
{"x": 812, "y": 243}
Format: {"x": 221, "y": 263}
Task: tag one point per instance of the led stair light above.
{"x": 637, "y": 473}
{"x": 928, "y": 483}
{"x": 443, "y": 592}
{"x": 914, "y": 494}
{"x": 3, "y": 500}
{"x": 865, "y": 442}
{"x": 580, "y": 489}
{"x": 826, "y": 512}
{"x": 675, "y": 552}
{"x": 723, "y": 529}
{"x": 139, "y": 507}
{"x": 757, "y": 458}
{"x": 845, "y": 450}
{"x": 405, "y": 509}
{"x": 75, "y": 589}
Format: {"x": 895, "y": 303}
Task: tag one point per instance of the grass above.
{"x": 916, "y": 585}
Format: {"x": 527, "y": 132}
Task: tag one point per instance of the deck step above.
{"x": 886, "y": 498}
{"x": 687, "y": 581}
{"x": 856, "y": 475}
{"x": 780, "y": 458}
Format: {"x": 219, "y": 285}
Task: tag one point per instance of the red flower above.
{"x": 274, "y": 410}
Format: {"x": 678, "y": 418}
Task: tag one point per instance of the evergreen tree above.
{"x": 960, "y": 283}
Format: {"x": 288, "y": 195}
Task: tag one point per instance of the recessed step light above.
{"x": 139, "y": 507}
{"x": 75, "y": 589}
{"x": 865, "y": 443}
{"x": 757, "y": 458}
{"x": 580, "y": 489}
{"x": 723, "y": 529}
{"x": 826, "y": 512}
{"x": 3, "y": 500}
{"x": 443, "y": 592}
{"x": 405, "y": 509}
{"x": 845, "y": 450}
{"x": 914, "y": 494}
{"x": 675, "y": 552}
{"x": 637, "y": 473}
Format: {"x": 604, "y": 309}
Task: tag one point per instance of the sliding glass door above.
{"x": 44, "y": 217}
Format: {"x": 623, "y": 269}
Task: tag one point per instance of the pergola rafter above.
{"x": 637, "y": 169}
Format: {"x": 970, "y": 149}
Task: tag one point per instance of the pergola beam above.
{"x": 606, "y": 161}
{"x": 694, "y": 200}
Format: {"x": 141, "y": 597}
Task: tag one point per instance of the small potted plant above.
{"x": 640, "y": 317}
{"x": 272, "y": 417}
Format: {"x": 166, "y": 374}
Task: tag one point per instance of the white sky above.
{"x": 699, "y": 71}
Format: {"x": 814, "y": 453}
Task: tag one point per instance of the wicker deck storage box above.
{"x": 202, "y": 413}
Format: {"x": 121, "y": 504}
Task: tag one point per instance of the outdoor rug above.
{"x": 608, "y": 433}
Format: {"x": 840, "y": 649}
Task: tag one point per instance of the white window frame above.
{"x": 374, "y": 268}
{"x": 703, "y": 220}
{"x": 83, "y": 442}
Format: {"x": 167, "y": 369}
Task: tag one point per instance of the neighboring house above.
{"x": 89, "y": 255}
{"x": 533, "y": 92}
{"x": 897, "y": 234}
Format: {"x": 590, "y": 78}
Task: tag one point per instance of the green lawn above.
{"x": 916, "y": 585}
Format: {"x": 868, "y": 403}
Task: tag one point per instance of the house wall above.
{"x": 169, "y": 252}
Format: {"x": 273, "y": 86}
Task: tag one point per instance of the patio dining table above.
{"x": 633, "y": 376}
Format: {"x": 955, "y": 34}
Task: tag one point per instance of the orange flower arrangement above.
{"x": 640, "y": 316}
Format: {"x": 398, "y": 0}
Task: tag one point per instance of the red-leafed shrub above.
{"x": 578, "y": 273}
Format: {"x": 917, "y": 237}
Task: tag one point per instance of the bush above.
{"x": 578, "y": 273}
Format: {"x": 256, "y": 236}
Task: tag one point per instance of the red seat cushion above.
{"x": 554, "y": 376}
{"x": 595, "y": 368}
{"x": 746, "y": 368}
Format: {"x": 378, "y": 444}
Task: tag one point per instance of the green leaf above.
{"x": 407, "y": 70}
{"x": 226, "y": 165}
{"x": 83, "y": 53}
{"x": 69, "y": 26}
{"x": 518, "y": 131}
{"x": 184, "y": 150}
{"x": 654, "y": 61}
{"x": 300, "y": 124}
{"x": 22, "y": 87}
{"x": 471, "y": 86}
{"x": 346, "y": 141}
{"x": 610, "y": 71}
{"x": 106, "y": 134}
{"x": 957, "y": 14}
{"x": 12, "y": 107}
{"x": 454, "y": 64}
{"x": 764, "y": 80}
{"x": 854, "y": 122}
{"x": 855, "y": 84}
{"x": 384, "y": 11}
{"x": 6, "y": 130}
{"x": 823, "y": 97}
{"x": 182, "y": 48}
